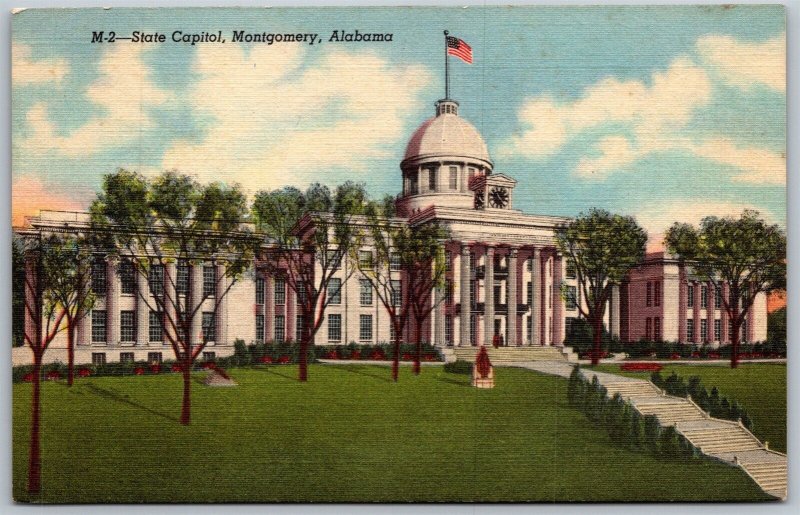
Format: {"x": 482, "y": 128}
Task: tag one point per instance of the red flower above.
{"x": 265, "y": 359}
{"x": 695, "y": 354}
{"x": 407, "y": 357}
{"x": 176, "y": 368}
{"x": 283, "y": 359}
{"x": 139, "y": 371}
{"x": 28, "y": 378}
{"x": 53, "y": 375}
{"x": 208, "y": 365}
{"x": 155, "y": 368}
{"x": 640, "y": 367}
{"x": 84, "y": 372}
{"x": 674, "y": 355}
{"x": 355, "y": 355}
{"x": 377, "y": 355}
{"x": 331, "y": 355}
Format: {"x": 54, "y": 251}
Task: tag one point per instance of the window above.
{"x": 530, "y": 293}
{"x": 298, "y": 328}
{"x": 717, "y": 329}
{"x": 690, "y": 330}
{"x": 260, "y": 290}
{"x": 301, "y": 293}
{"x": 280, "y": 291}
{"x": 497, "y": 295}
{"x": 572, "y": 271}
{"x": 156, "y": 279}
{"x": 127, "y": 277}
{"x": 448, "y": 329}
{"x": 657, "y": 328}
{"x": 98, "y": 326}
{"x": 333, "y": 259}
{"x": 413, "y": 183}
{"x": 448, "y": 292}
{"x": 744, "y": 331}
{"x": 335, "y": 291}
{"x": 182, "y": 279}
{"x": 648, "y": 328}
{"x": 529, "y": 323}
{"x": 209, "y": 281}
{"x": 472, "y": 292}
{"x": 432, "y": 179}
{"x": 280, "y": 328}
{"x": 392, "y": 333}
{"x": 395, "y": 264}
{"x": 703, "y": 330}
{"x": 657, "y": 293}
{"x": 126, "y": 357}
{"x": 472, "y": 329}
{"x": 448, "y": 261}
{"x": 334, "y": 327}
{"x": 209, "y": 356}
{"x": 127, "y": 326}
{"x": 365, "y": 328}
{"x": 156, "y": 327}
{"x": 154, "y": 358}
{"x": 99, "y": 277}
{"x": 572, "y": 298}
{"x": 649, "y": 298}
{"x": 397, "y": 292}
{"x": 98, "y": 358}
{"x": 690, "y": 296}
{"x": 365, "y": 295}
{"x": 259, "y": 328}
{"x": 209, "y": 327}
{"x": 453, "y": 177}
{"x": 717, "y": 297}
{"x": 365, "y": 259}
{"x": 703, "y": 297}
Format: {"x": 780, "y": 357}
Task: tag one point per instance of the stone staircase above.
{"x": 505, "y": 356}
{"x": 722, "y": 439}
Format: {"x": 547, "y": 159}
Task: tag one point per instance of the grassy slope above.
{"x": 759, "y": 387}
{"x": 349, "y": 434}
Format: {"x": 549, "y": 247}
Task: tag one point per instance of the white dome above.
{"x": 447, "y": 135}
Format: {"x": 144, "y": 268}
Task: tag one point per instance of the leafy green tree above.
{"x": 47, "y": 265}
{"x": 17, "y": 292}
{"x": 776, "y": 327}
{"x": 604, "y": 248}
{"x": 745, "y": 253}
{"x": 408, "y": 263}
{"x": 310, "y": 235}
{"x": 172, "y": 220}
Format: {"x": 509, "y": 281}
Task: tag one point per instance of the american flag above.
{"x": 459, "y": 48}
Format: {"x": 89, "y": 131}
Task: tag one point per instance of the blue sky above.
{"x": 664, "y": 113}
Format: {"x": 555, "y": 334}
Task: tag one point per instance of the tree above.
{"x": 71, "y": 287}
{"x": 776, "y": 327}
{"x": 604, "y": 248}
{"x": 422, "y": 253}
{"x": 45, "y": 266}
{"x": 746, "y": 253}
{"x": 309, "y": 235}
{"x": 17, "y": 292}
{"x": 160, "y": 227}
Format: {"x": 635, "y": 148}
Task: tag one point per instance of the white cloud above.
{"x": 276, "y": 123}
{"x": 123, "y": 89}
{"x": 757, "y": 165}
{"x": 745, "y": 64}
{"x": 615, "y": 152}
{"x": 25, "y": 71}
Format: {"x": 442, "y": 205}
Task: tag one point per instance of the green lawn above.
{"x": 347, "y": 435}
{"x": 759, "y": 387}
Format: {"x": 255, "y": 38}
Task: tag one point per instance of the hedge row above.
{"x": 381, "y": 351}
{"x": 672, "y": 350}
{"x": 716, "y": 405}
{"x": 626, "y": 426}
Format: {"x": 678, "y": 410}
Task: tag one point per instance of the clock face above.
{"x": 479, "y": 199}
{"x": 498, "y": 197}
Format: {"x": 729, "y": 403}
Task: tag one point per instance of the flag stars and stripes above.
{"x": 459, "y": 48}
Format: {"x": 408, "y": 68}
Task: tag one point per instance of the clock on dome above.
{"x": 498, "y": 197}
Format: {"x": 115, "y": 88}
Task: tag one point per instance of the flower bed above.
{"x": 640, "y": 367}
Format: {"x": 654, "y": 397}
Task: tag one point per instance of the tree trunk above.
{"x": 597, "y": 338}
{"x": 735, "y": 339}
{"x": 70, "y": 353}
{"x": 35, "y": 458}
{"x": 186, "y": 410}
{"x": 418, "y": 346}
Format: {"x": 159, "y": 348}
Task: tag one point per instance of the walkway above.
{"x": 722, "y": 439}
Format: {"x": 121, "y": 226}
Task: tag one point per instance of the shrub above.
{"x": 458, "y": 367}
{"x": 651, "y": 433}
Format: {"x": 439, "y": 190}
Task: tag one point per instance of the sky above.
{"x": 665, "y": 113}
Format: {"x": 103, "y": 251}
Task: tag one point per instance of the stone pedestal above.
{"x": 482, "y": 382}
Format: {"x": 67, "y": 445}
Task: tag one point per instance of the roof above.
{"x": 447, "y": 135}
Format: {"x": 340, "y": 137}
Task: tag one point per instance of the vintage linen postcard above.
{"x": 484, "y": 254}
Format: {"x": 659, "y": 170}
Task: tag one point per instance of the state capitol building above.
{"x": 504, "y": 276}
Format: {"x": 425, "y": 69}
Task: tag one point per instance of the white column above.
{"x": 536, "y": 298}
{"x": 438, "y": 316}
{"x": 488, "y": 305}
{"x": 221, "y": 315}
{"x": 269, "y": 308}
{"x": 466, "y": 308}
{"x": 614, "y": 314}
{"x": 112, "y": 302}
{"x": 558, "y": 301}
{"x": 142, "y": 309}
{"x": 195, "y": 299}
{"x": 511, "y": 340}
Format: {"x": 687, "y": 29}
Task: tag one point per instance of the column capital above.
{"x": 514, "y": 252}
{"x": 466, "y": 248}
{"x": 490, "y": 250}
{"x": 537, "y": 251}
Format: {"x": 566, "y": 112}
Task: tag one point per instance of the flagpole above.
{"x": 446, "y": 68}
